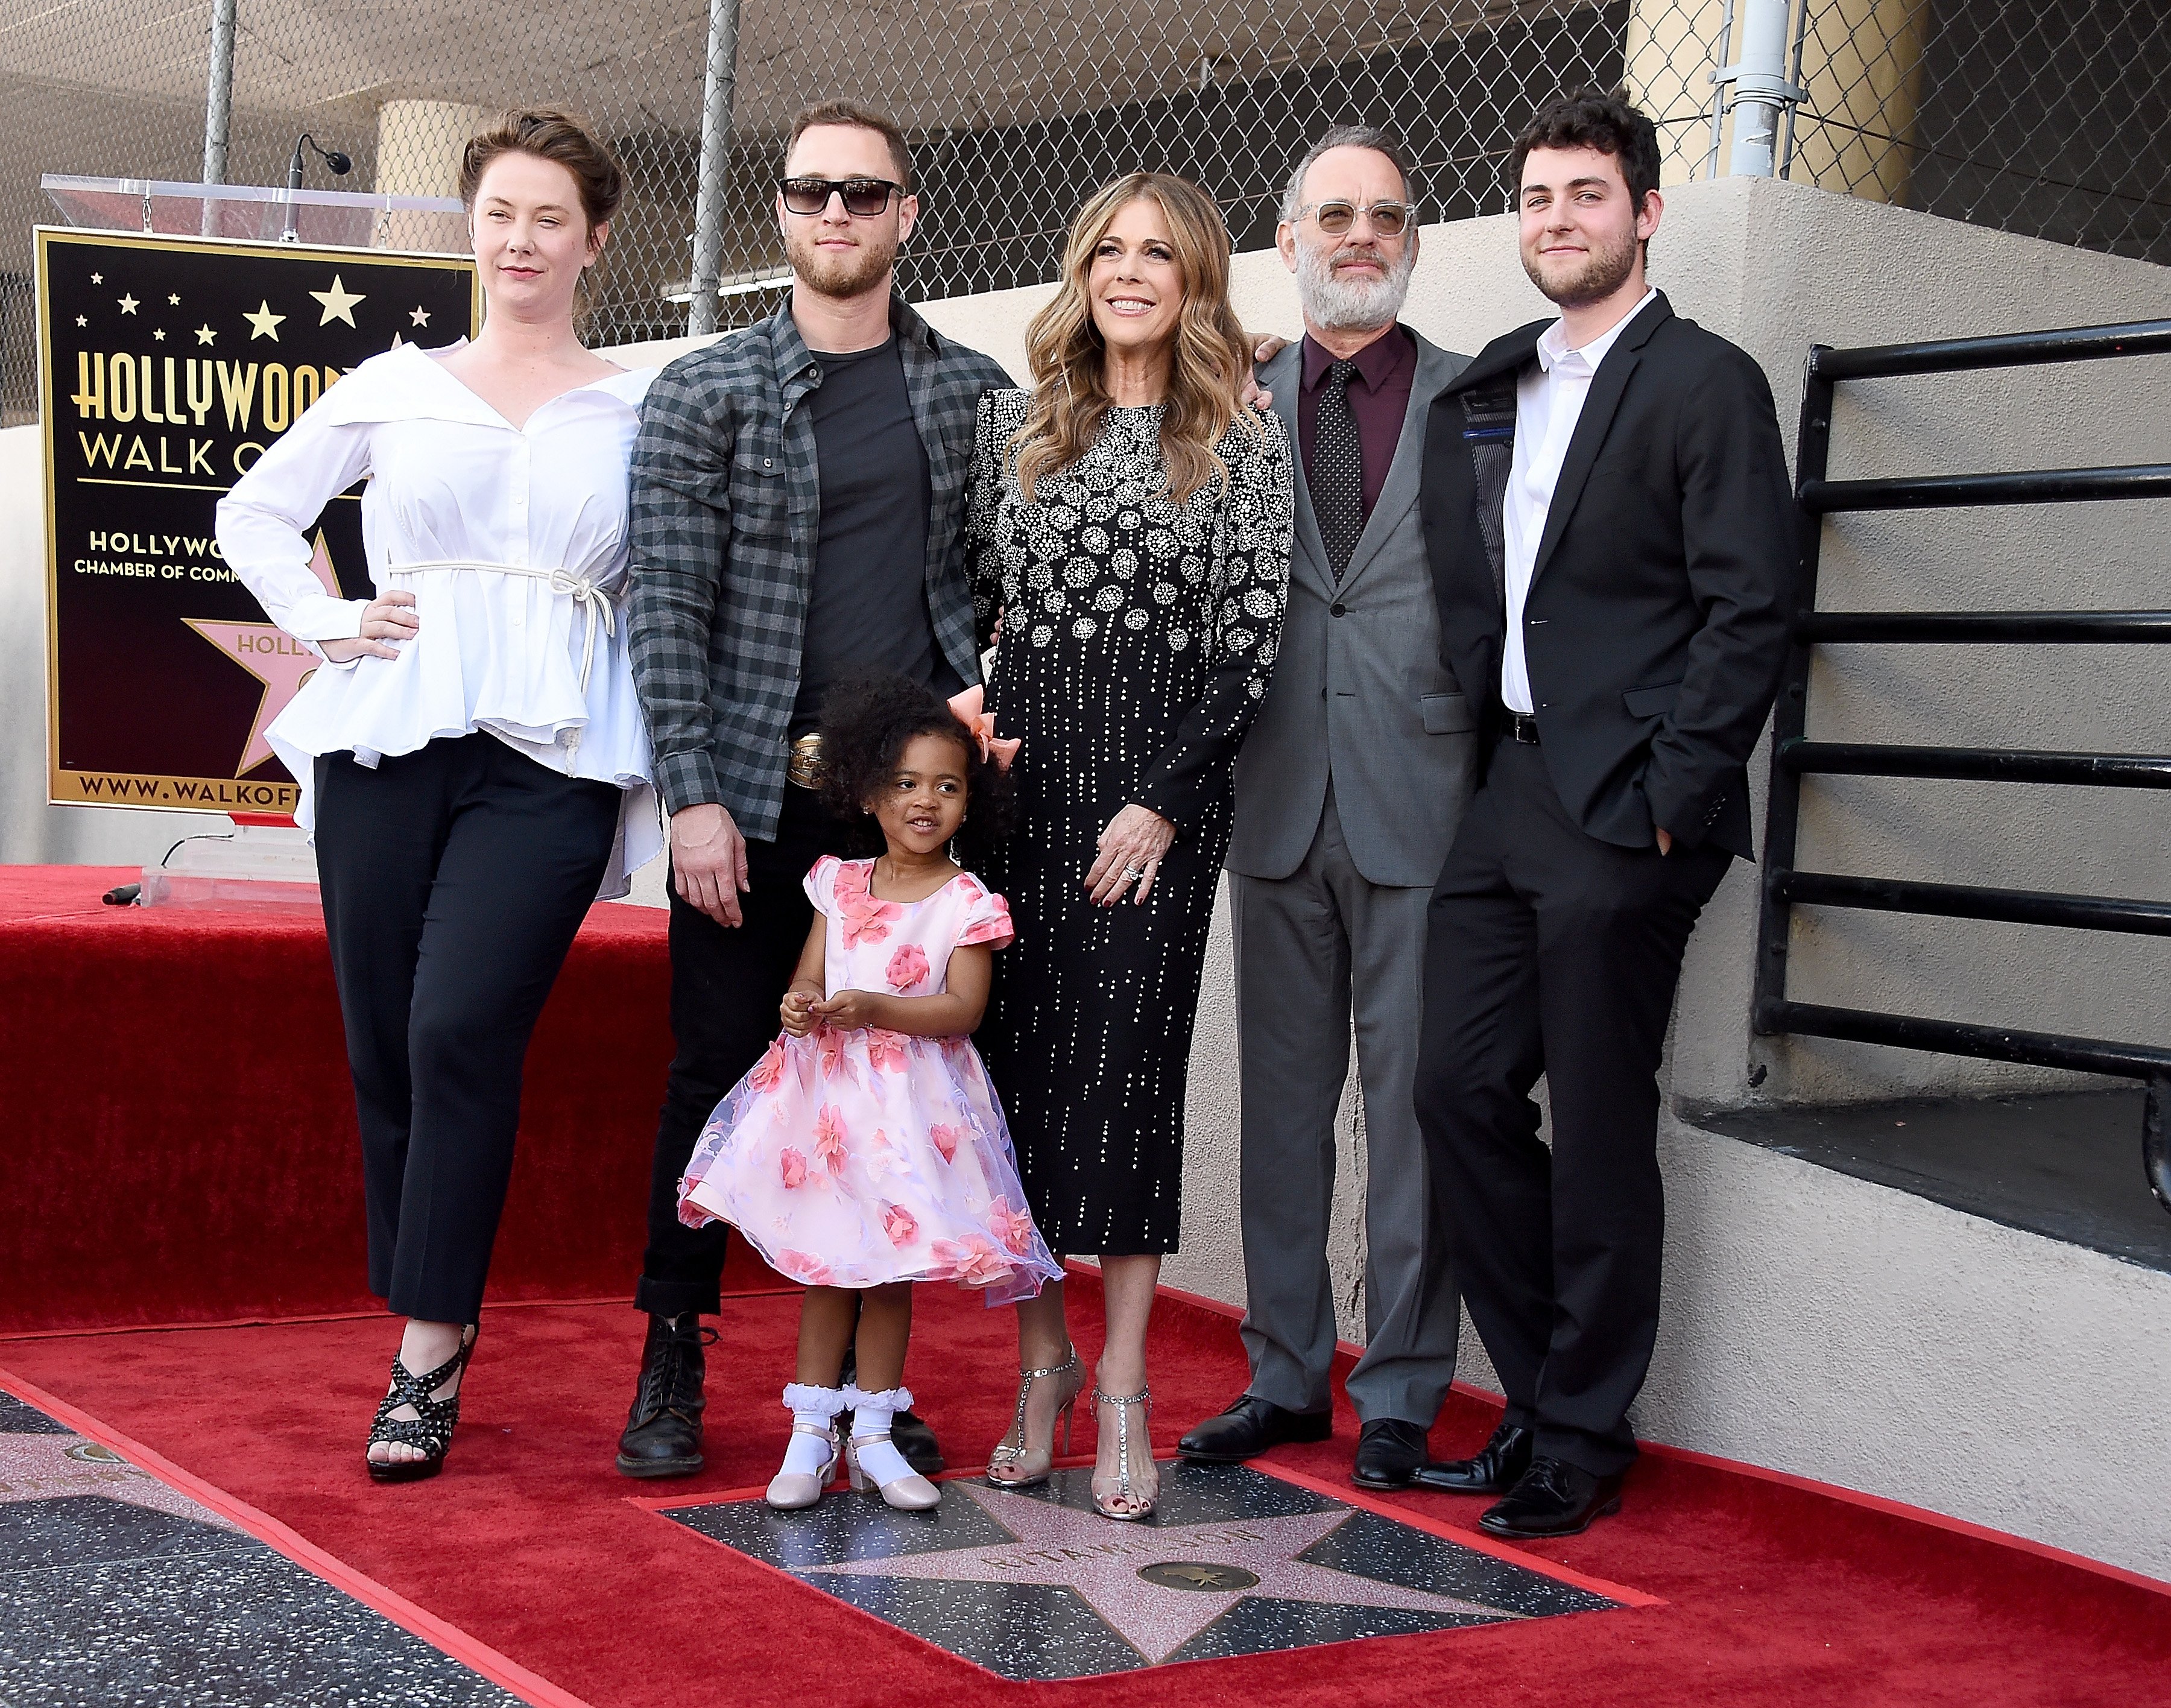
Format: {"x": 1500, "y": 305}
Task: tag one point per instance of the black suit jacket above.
{"x": 1658, "y": 615}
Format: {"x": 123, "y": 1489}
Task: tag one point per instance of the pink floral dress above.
{"x": 853, "y": 1159}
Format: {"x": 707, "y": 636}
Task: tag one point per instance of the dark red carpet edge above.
{"x": 1770, "y": 1593}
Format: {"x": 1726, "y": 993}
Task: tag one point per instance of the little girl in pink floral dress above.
{"x": 867, "y": 1150}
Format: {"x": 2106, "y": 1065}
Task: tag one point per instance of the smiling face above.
{"x": 532, "y": 239}
{"x": 1356, "y": 282}
{"x": 921, "y": 806}
{"x": 833, "y": 253}
{"x": 1582, "y": 233}
{"x": 1134, "y": 285}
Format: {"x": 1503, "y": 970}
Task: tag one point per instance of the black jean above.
{"x": 453, "y": 879}
{"x": 1551, "y": 952}
{"x": 725, "y": 983}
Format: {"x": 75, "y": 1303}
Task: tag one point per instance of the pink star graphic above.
{"x": 275, "y": 657}
{"x": 46, "y": 1466}
{"x": 1059, "y": 1546}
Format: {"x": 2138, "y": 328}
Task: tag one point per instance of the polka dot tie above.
{"x": 1337, "y": 475}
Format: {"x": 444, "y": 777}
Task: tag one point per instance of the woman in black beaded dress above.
{"x": 1130, "y": 530}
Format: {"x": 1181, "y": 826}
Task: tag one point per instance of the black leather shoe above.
{"x": 1389, "y": 1451}
{"x": 1250, "y": 1427}
{"x": 1554, "y": 1498}
{"x": 662, "y": 1434}
{"x": 1497, "y": 1468}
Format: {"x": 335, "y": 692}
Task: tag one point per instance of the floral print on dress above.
{"x": 858, "y": 1158}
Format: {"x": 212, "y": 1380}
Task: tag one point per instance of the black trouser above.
{"x": 453, "y": 879}
{"x": 1551, "y": 952}
{"x": 725, "y": 983}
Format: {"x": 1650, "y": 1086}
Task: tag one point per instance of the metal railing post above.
{"x": 218, "y": 105}
{"x": 1760, "y": 89}
{"x": 717, "y": 92}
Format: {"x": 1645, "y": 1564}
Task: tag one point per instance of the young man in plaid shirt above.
{"x": 799, "y": 495}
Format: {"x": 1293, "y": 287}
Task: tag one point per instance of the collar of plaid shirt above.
{"x": 720, "y": 591}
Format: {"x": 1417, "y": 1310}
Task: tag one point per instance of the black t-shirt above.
{"x": 868, "y": 607}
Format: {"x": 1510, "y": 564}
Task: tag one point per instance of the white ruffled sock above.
{"x": 871, "y": 1413}
{"x": 817, "y": 1407}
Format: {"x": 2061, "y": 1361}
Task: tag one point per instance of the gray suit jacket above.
{"x": 1360, "y": 691}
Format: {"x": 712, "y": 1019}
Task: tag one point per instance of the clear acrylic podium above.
{"x": 261, "y": 214}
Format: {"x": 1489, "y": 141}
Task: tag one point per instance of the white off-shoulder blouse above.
{"x": 513, "y": 542}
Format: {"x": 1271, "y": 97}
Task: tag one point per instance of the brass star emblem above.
{"x": 338, "y": 302}
{"x": 263, "y": 324}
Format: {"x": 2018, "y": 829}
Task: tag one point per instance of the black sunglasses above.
{"x": 864, "y": 197}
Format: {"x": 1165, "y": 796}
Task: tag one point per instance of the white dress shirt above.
{"x": 513, "y": 542}
{"x": 1548, "y": 403}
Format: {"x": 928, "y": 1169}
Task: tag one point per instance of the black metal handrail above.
{"x": 1795, "y": 756}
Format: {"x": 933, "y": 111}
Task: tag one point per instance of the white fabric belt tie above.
{"x": 581, "y": 588}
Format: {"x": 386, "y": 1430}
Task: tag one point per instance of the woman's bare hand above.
{"x": 385, "y": 621}
{"x": 1131, "y": 850}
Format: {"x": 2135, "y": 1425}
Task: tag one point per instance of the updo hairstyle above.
{"x": 867, "y": 721}
{"x": 548, "y": 135}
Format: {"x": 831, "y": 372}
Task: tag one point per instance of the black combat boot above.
{"x": 662, "y": 1434}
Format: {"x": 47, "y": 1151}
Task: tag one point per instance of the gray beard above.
{"x": 1340, "y": 305}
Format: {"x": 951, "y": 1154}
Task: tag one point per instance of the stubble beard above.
{"x": 1345, "y": 305}
{"x": 850, "y": 275}
{"x": 1598, "y": 276}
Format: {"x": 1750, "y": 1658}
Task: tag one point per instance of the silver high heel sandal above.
{"x": 1138, "y": 1505}
{"x": 1032, "y": 1464}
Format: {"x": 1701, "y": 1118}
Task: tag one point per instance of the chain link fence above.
{"x": 2039, "y": 119}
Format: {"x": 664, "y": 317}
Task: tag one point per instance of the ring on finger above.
{"x": 1133, "y": 873}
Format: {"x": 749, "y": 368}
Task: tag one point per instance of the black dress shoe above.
{"x": 1554, "y": 1498}
{"x": 662, "y": 1434}
{"x": 1389, "y": 1451}
{"x": 1250, "y": 1427}
{"x": 1496, "y": 1468}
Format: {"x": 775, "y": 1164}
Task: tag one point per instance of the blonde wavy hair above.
{"x": 1211, "y": 358}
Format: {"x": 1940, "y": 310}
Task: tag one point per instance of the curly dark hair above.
{"x": 1590, "y": 118}
{"x": 866, "y": 722}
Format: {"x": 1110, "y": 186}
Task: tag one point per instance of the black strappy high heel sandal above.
{"x": 431, "y": 1428}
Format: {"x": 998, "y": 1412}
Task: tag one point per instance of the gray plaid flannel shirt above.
{"x": 726, "y": 509}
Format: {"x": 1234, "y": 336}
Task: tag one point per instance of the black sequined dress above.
{"x": 1137, "y": 639}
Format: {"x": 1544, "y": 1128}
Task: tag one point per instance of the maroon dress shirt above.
{"x": 1379, "y": 397}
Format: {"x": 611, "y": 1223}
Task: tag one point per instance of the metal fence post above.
{"x": 716, "y": 90}
{"x": 1760, "y": 89}
{"x": 218, "y": 99}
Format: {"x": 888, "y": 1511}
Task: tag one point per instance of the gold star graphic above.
{"x": 128, "y": 304}
{"x": 174, "y": 297}
{"x": 159, "y": 336}
{"x": 263, "y": 324}
{"x": 420, "y": 317}
{"x": 204, "y": 335}
{"x": 339, "y": 303}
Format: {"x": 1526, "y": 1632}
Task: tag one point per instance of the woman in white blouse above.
{"x": 472, "y": 756}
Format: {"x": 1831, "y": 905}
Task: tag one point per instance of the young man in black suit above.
{"x": 1607, "y": 513}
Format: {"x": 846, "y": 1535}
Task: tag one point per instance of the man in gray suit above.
{"x": 1348, "y": 791}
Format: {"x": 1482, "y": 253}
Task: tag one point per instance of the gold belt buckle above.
{"x": 804, "y": 767}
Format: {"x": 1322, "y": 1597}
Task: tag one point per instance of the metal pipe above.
{"x": 717, "y": 88}
{"x": 1953, "y": 628}
{"x": 1985, "y": 765}
{"x": 1971, "y": 901}
{"x": 2000, "y": 349}
{"x": 2036, "y": 486}
{"x": 1760, "y": 89}
{"x": 218, "y": 99}
{"x": 1957, "y": 1038}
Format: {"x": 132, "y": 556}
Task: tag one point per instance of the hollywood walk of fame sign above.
{"x": 170, "y": 365}
{"x": 1034, "y": 1584}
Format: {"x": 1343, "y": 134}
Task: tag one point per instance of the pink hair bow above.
{"x": 966, "y": 707}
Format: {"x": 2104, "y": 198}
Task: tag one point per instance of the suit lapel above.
{"x": 1404, "y": 472}
{"x": 1284, "y": 376}
{"x": 1606, "y": 387}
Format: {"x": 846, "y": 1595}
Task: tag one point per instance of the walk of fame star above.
{"x": 273, "y": 657}
{"x": 1036, "y": 1585}
{"x": 43, "y": 1467}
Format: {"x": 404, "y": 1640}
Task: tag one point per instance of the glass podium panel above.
{"x": 261, "y": 214}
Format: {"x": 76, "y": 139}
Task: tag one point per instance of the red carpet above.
{"x": 180, "y": 1121}
{"x": 1773, "y": 1594}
